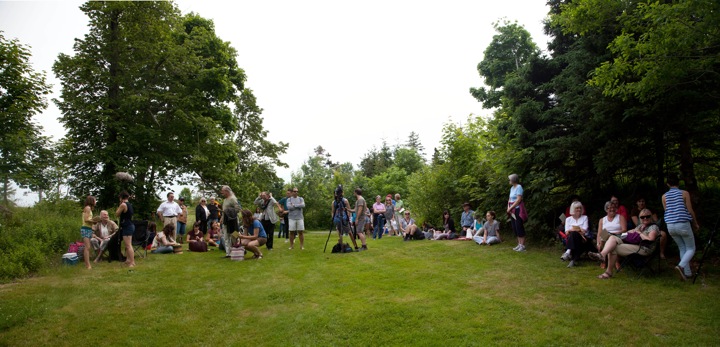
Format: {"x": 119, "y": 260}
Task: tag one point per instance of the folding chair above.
{"x": 641, "y": 263}
{"x": 141, "y": 237}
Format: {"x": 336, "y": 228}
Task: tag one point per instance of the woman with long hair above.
{"x": 125, "y": 212}
{"x": 165, "y": 240}
{"x": 254, "y": 234}
{"x": 86, "y": 228}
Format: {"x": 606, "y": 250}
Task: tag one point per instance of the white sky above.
{"x": 343, "y": 75}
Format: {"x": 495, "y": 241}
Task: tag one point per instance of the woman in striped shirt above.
{"x": 679, "y": 216}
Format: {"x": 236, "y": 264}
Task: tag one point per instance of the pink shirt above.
{"x": 378, "y": 207}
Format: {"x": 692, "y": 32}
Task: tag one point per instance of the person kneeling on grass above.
{"x": 489, "y": 233}
{"x": 254, "y": 234}
{"x": 615, "y": 245}
{"x": 195, "y": 240}
{"x": 165, "y": 240}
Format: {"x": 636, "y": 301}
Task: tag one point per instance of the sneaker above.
{"x": 516, "y": 247}
{"x": 571, "y": 264}
{"x": 286, "y": 241}
{"x": 565, "y": 257}
{"x": 595, "y": 256}
{"x": 681, "y": 271}
{"x": 521, "y": 249}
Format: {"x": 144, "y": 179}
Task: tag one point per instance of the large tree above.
{"x": 147, "y": 91}
{"x": 22, "y": 96}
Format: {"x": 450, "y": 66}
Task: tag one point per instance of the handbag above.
{"x": 633, "y": 238}
{"x": 237, "y": 253}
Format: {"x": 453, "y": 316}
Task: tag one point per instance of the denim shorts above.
{"x": 128, "y": 229}
{"x": 85, "y": 231}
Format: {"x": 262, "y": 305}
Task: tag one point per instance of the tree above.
{"x": 22, "y": 96}
{"x": 141, "y": 81}
{"x": 413, "y": 142}
{"x": 510, "y": 49}
{"x": 376, "y": 161}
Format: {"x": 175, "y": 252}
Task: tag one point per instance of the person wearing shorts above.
{"x": 296, "y": 224}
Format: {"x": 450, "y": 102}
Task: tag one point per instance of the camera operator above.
{"x": 340, "y": 217}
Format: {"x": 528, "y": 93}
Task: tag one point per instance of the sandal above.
{"x": 605, "y": 276}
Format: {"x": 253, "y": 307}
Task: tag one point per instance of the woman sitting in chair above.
{"x": 617, "y": 246}
{"x": 165, "y": 240}
{"x": 254, "y": 234}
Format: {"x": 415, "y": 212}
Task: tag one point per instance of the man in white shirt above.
{"x": 169, "y": 211}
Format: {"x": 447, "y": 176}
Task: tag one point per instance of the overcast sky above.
{"x": 340, "y": 74}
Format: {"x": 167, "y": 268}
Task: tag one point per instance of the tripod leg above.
{"x": 705, "y": 252}
{"x": 328, "y": 238}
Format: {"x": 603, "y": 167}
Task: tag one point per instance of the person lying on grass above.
{"x": 489, "y": 233}
{"x": 254, "y": 234}
{"x": 165, "y": 240}
{"x": 616, "y": 246}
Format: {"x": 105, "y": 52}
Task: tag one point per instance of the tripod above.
{"x": 705, "y": 251}
{"x": 344, "y": 218}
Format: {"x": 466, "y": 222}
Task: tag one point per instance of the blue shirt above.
{"x": 514, "y": 192}
{"x": 256, "y": 224}
{"x": 466, "y": 218}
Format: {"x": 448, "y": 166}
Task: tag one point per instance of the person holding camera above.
{"x": 340, "y": 216}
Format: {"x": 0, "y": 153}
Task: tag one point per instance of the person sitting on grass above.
{"x": 195, "y": 240}
{"x": 409, "y": 228}
{"x": 576, "y": 226}
{"x": 448, "y": 228}
{"x": 616, "y": 246}
{"x": 477, "y": 225}
{"x": 102, "y": 232}
{"x": 165, "y": 240}
{"x": 254, "y": 234}
{"x": 489, "y": 233}
{"x": 213, "y": 235}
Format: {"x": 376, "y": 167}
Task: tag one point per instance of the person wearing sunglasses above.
{"x": 617, "y": 246}
{"x": 409, "y": 228}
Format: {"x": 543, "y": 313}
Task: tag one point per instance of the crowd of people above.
{"x": 229, "y": 225}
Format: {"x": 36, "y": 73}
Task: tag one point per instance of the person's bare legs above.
{"x": 129, "y": 252}
{"x": 86, "y": 252}
{"x": 292, "y": 239}
{"x": 663, "y": 243}
{"x": 302, "y": 239}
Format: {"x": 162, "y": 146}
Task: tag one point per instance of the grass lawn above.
{"x": 418, "y": 293}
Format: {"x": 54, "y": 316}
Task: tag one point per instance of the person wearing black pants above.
{"x": 268, "y": 218}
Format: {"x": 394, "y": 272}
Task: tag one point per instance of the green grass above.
{"x": 419, "y": 293}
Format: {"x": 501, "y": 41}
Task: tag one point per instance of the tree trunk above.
{"x": 687, "y": 166}
{"x": 108, "y": 193}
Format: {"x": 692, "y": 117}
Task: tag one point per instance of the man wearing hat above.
{"x": 466, "y": 218}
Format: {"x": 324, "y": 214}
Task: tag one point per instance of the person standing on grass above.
{"x": 680, "y": 219}
{"x": 284, "y": 214}
{"x": 399, "y": 208}
{"x": 169, "y": 210}
{"x": 296, "y": 221}
{"x": 181, "y": 219}
{"x": 515, "y": 205}
{"x": 230, "y": 211}
{"x": 361, "y": 213}
{"x": 125, "y": 213}
{"x": 213, "y": 212}
{"x": 86, "y": 229}
{"x": 268, "y": 217}
{"x": 378, "y": 218}
{"x": 202, "y": 213}
{"x": 340, "y": 217}
{"x": 254, "y": 235}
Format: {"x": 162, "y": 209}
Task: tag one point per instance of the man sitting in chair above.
{"x": 102, "y": 232}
